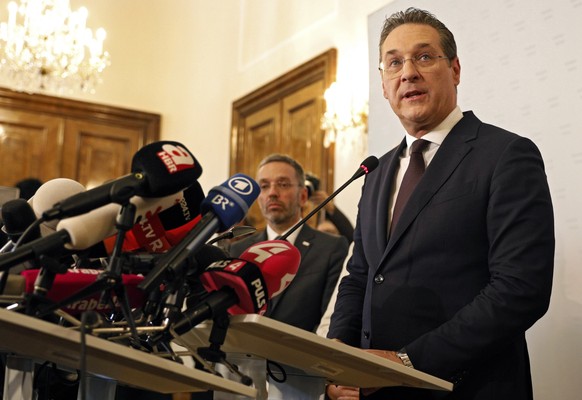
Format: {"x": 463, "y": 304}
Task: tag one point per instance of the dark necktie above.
{"x": 411, "y": 177}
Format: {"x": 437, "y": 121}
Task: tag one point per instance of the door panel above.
{"x": 29, "y": 146}
{"x": 302, "y": 136}
{"x": 49, "y": 137}
{"x": 261, "y": 133}
{"x": 98, "y": 152}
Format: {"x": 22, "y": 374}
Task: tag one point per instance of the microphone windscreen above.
{"x": 231, "y": 201}
{"x": 169, "y": 167}
{"x": 18, "y": 215}
{"x": 244, "y": 278}
{"x": 185, "y": 210}
{"x": 370, "y": 163}
{"x": 74, "y": 280}
{"x": 206, "y": 256}
{"x": 50, "y": 193}
{"x": 176, "y": 235}
{"x": 367, "y": 166}
{"x": 161, "y": 231}
{"x": 88, "y": 229}
{"x": 278, "y": 260}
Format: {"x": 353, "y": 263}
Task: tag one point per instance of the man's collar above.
{"x": 271, "y": 234}
{"x": 440, "y": 132}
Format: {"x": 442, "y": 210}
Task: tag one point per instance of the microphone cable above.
{"x": 27, "y": 231}
{"x": 271, "y": 374}
{"x": 30, "y": 228}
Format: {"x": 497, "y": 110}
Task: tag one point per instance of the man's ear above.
{"x": 456, "y": 67}
{"x": 384, "y": 92}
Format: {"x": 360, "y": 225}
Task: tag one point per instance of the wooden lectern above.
{"x": 40, "y": 340}
{"x": 337, "y": 362}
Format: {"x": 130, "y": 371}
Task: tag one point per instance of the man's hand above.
{"x": 390, "y": 355}
{"x": 336, "y": 392}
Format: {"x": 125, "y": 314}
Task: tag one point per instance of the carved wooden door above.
{"x": 284, "y": 117}
{"x": 48, "y": 137}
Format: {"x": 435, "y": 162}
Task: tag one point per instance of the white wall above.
{"x": 521, "y": 69}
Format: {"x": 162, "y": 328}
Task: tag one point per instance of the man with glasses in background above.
{"x": 282, "y": 197}
{"x": 454, "y": 240}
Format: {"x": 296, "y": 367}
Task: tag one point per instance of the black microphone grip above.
{"x": 368, "y": 165}
{"x": 117, "y": 191}
{"x": 315, "y": 210}
{"x": 171, "y": 262}
{"x": 216, "y": 302}
{"x": 44, "y": 246}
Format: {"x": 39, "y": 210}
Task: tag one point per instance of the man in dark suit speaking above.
{"x": 454, "y": 240}
{"x": 283, "y": 194}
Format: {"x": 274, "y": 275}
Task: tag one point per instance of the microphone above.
{"x": 83, "y": 231}
{"x": 50, "y": 193}
{"x": 18, "y": 215}
{"x": 243, "y": 285}
{"x": 89, "y": 229}
{"x": 73, "y": 281}
{"x": 224, "y": 206}
{"x": 159, "y": 232}
{"x": 235, "y": 232}
{"x": 158, "y": 169}
{"x": 367, "y": 166}
{"x": 165, "y": 301}
{"x": 278, "y": 260}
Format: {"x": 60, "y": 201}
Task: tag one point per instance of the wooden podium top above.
{"x": 40, "y": 340}
{"x": 337, "y": 362}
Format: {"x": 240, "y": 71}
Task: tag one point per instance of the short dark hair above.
{"x": 276, "y": 157}
{"x": 417, "y": 16}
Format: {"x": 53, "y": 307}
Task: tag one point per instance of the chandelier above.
{"x": 44, "y": 46}
{"x": 344, "y": 122}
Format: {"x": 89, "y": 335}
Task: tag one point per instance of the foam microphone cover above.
{"x": 244, "y": 278}
{"x": 88, "y": 229}
{"x": 185, "y": 210}
{"x": 367, "y": 166}
{"x": 50, "y": 193}
{"x": 158, "y": 232}
{"x": 18, "y": 215}
{"x": 169, "y": 167}
{"x": 231, "y": 201}
{"x": 172, "y": 224}
{"x": 278, "y": 260}
{"x": 77, "y": 279}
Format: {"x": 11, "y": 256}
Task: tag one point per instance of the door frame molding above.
{"x": 148, "y": 123}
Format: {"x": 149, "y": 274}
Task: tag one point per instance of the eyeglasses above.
{"x": 423, "y": 62}
{"x": 279, "y": 185}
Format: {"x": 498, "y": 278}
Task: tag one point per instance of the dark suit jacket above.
{"x": 467, "y": 270}
{"x": 305, "y": 300}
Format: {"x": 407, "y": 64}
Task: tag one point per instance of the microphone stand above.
{"x": 111, "y": 278}
{"x": 50, "y": 267}
{"x": 317, "y": 208}
{"x": 213, "y": 353}
{"x": 368, "y": 165}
